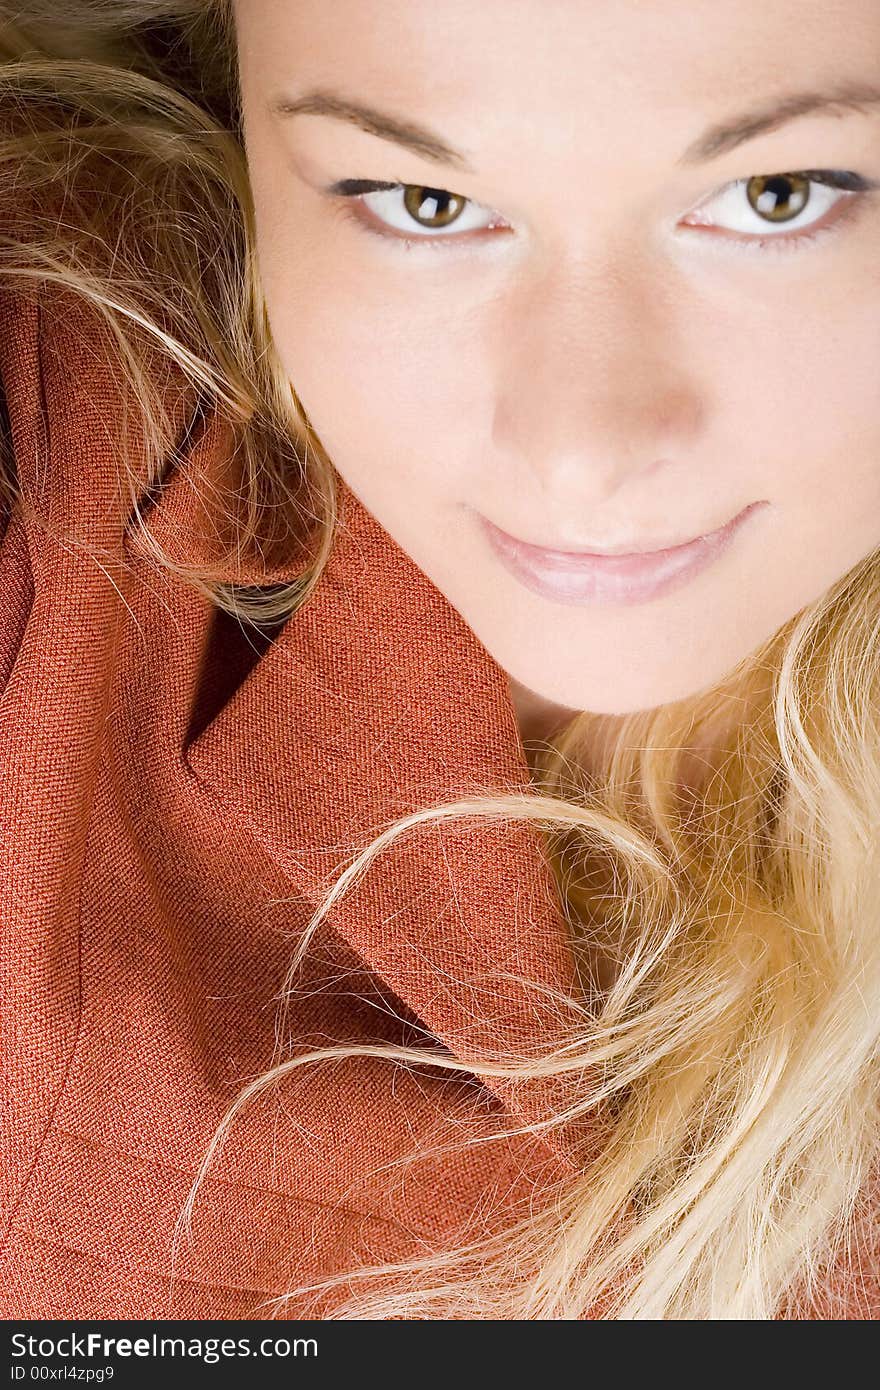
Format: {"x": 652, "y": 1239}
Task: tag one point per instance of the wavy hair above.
{"x": 716, "y": 859}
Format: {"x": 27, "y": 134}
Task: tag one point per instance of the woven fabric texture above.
{"x": 172, "y": 803}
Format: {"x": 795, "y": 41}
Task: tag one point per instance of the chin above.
{"x": 571, "y": 697}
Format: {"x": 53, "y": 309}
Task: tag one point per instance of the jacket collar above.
{"x": 375, "y": 700}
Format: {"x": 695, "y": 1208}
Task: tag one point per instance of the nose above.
{"x": 592, "y": 402}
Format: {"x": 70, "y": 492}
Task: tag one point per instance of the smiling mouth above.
{"x": 550, "y": 553}
{"x": 590, "y": 577}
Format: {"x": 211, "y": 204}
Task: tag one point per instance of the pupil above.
{"x": 779, "y": 196}
{"x": 432, "y": 206}
{"x": 780, "y": 188}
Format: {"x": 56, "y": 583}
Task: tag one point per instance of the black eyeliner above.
{"x": 350, "y": 188}
{"x": 840, "y": 178}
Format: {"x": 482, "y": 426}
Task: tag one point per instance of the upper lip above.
{"x": 628, "y": 548}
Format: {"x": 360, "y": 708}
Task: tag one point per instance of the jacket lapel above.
{"x": 376, "y": 700}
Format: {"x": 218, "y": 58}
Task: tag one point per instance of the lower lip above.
{"x": 611, "y": 579}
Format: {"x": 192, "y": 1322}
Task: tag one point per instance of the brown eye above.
{"x": 432, "y": 207}
{"x": 778, "y": 197}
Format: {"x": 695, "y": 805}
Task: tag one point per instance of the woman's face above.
{"x": 593, "y": 317}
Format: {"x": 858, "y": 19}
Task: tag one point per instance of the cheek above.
{"x": 379, "y": 381}
{"x": 374, "y": 351}
{"x": 818, "y": 416}
{"x": 805, "y": 401}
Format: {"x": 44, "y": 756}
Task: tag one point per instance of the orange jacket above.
{"x": 172, "y": 803}
{"x": 168, "y": 817}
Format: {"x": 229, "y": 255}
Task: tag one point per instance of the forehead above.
{"x": 571, "y": 53}
{"x": 551, "y": 85}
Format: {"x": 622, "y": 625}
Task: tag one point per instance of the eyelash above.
{"x": 351, "y": 191}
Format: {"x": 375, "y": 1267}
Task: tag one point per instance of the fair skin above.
{"x": 594, "y": 365}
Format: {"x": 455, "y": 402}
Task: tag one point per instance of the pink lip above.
{"x": 569, "y": 577}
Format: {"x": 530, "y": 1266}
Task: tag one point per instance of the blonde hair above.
{"x": 731, "y": 894}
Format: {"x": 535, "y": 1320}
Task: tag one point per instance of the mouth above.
{"x": 585, "y": 577}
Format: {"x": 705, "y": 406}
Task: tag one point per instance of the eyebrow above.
{"x": 727, "y": 135}
{"x": 718, "y": 139}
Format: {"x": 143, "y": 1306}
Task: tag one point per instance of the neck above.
{"x": 537, "y": 718}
